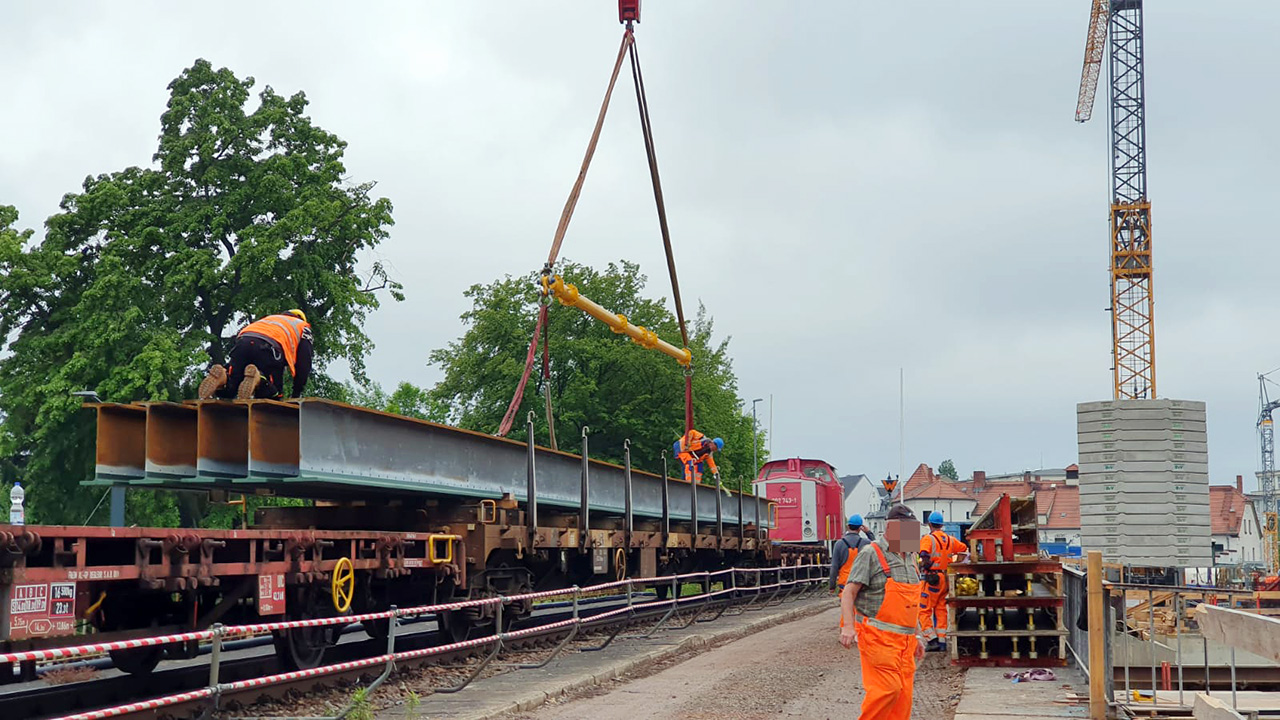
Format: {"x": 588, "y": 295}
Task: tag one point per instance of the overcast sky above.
{"x": 853, "y": 187}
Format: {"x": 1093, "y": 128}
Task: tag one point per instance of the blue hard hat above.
{"x": 719, "y": 443}
{"x": 935, "y": 518}
{"x": 855, "y": 520}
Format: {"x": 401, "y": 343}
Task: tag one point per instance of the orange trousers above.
{"x": 933, "y": 610}
{"x": 888, "y": 673}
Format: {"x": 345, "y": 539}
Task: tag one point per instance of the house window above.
{"x": 1060, "y": 539}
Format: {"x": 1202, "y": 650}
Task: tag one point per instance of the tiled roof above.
{"x": 1061, "y": 505}
{"x": 1227, "y": 506}
{"x": 922, "y": 476}
{"x": 937, "y": 490}
{"x": 991, "y": 493}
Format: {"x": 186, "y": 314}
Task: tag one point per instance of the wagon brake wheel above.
{"x": 343, "y": 585}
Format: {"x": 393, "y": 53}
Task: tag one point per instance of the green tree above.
{"x": 407, "y": 399}
{"x": 144, "y": 277}
{"x": 599, "y": 379}
{"x": 948, "y": 469}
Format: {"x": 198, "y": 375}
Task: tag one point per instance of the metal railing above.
{"x": 1139, "y": 642}
{"x": 788, "y": 582}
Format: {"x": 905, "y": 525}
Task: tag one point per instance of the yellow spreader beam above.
{"x": 568, "y": 295}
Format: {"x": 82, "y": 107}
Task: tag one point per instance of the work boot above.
{"x": 249, "y": 386}
{"x": 934, "y": 646}
{"x": 214, "y": 381}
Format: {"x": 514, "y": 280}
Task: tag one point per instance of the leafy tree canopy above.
{"x": 948, "y": 469}
{"x": 598, "y": 379}
{"x": 146, "y": 274}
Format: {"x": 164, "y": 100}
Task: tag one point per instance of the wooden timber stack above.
{"x": 1015, "y": 618}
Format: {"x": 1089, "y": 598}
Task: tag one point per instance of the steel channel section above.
{"x": 584, "y": 500}
{"x": 274, "y": 441}
{"x": 531, "y": 489}
{"x": 222, "y": 444}
{"x": 342, "y": 442}
{"x": 121, "y": 452}
{"x": 171, "y": 440}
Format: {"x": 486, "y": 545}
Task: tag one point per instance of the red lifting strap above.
{"x": 510, "y": 417}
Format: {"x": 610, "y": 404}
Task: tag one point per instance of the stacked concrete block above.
{"x": 1144, "y": 482}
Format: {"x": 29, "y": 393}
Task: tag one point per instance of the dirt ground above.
{"x": 797, "y": 669}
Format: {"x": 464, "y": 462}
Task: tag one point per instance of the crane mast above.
{"x": 1132, "y": 303}
{"x": 1267, "y": 475}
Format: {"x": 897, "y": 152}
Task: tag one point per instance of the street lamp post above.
{"x": 755, "y": 462}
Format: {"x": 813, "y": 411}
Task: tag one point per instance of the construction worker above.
{"x": 262, "y": 351}
{"x": 937, "y": 550}
{"x": 695, "y": 450}
{"x": 883, "y": 588}
{"x": 846, "y": 549}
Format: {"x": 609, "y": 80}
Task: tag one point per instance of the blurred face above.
{"x": 903, "y": 536}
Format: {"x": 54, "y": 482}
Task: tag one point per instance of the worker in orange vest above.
{"x": 695, "y": 450}
{"x": 937, "y": 549}
{"x": 846, "y": 549}
{"x": 883, "y": 589}
{"x": 263, "y": 349}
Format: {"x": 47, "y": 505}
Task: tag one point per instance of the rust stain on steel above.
{"x": 222, "y": 447}
{"x": 273, "y": 438}
{"x": 171, "y": 439}
{"x": 122, "y": 441}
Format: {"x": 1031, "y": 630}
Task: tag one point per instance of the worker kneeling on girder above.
{"x": 262, "y": 351}
{"x": 696, "y": 450}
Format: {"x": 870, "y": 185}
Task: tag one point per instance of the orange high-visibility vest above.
{"x": 843, "y": 575}
{"x": 285, "y": 330}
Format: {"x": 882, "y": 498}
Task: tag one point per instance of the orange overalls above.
{"x": 933, "y": 597}
{"x": 694, "y": 449}
{"x": 887, "y": 646}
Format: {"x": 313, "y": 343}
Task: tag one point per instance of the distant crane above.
{"x": 1132, "y": 305}
{"x": 1267, "y": 475}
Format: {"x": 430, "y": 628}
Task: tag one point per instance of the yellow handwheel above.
{"x": 620, "y": 564}
{"x": 344, "y": 585}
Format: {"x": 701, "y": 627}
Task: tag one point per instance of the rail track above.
{"x": 199, "y": 686}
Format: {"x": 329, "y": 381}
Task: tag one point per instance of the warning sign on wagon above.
{"x": 271, "y": 594}
{"x": 42, "y": 610}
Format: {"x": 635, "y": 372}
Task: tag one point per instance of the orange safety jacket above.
{"x": 285, "y": 330}
{"x": 698, "y": 448}
{"x": 941, "y": 547}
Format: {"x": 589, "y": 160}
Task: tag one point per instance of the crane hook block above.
{"x": 628, "y": 11}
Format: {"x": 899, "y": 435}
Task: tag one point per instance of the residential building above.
{"x": 925, "y": 492}
{"x": 861, "y": 495}
{"x": 1236, "y": 526}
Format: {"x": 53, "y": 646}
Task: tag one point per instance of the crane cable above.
{"x": 565, "y": 216}
{"x": 646, "y": 128}
{"x": 626, "y": 50}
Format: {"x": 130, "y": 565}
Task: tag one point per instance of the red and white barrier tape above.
{"x": 141, "y": 706}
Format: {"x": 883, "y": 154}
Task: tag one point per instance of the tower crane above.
{"x": 1267, "y": 475}
{"x": 1132, "y": 305}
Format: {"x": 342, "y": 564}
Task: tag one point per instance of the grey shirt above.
{"x": 867, "y": 572}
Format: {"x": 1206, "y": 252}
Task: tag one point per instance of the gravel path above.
{"x": 797, "y": 669}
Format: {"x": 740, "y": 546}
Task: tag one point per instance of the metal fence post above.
{"x": 215, "y": 655}
{"x": 1097, "y": 639}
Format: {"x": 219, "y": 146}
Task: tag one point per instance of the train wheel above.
{"x": 137, "y": 661}
{"x": 302, "y": 648}
{"x": 455, "y": 625}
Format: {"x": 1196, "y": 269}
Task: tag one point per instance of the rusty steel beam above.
{"x": 122, "y": 442}
{"x": 222, "y": 439}
{"x": 324, "y": 449}
{"x": 170, "y": 440}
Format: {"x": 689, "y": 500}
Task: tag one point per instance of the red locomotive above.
{"x": 809, "y": 500}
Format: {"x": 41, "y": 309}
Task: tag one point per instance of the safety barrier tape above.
{"x": 381, "y": 659}
{"x": 142, "y": 706}
{"x": 65, "y": 653}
